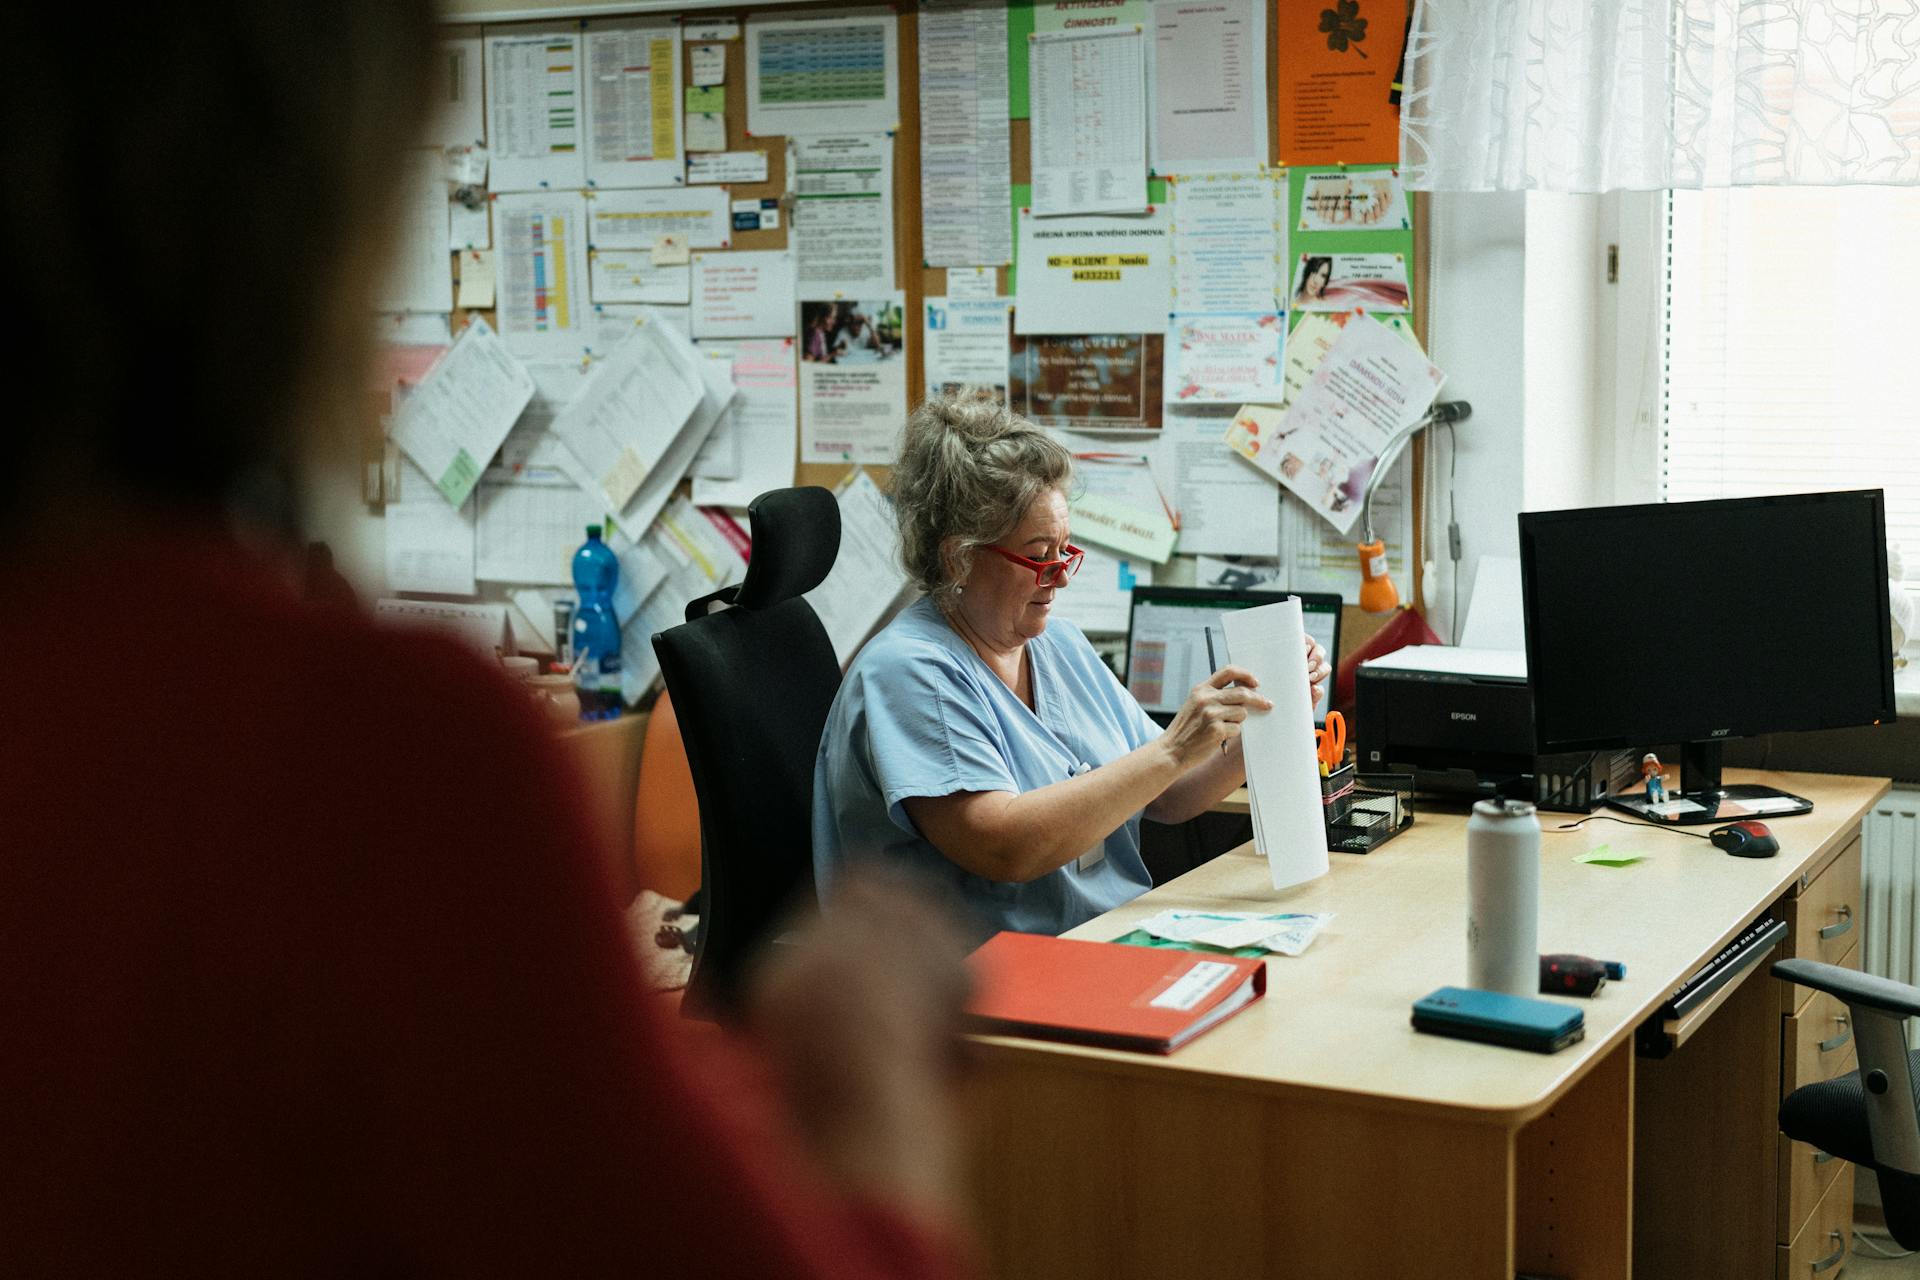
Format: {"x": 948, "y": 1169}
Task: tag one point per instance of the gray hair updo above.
{"x": 968, "y": 470}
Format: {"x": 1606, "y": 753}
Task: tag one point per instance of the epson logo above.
{"x": 1465, "y": 715}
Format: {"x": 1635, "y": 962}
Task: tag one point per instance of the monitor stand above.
{"x": 1702, "y": 798}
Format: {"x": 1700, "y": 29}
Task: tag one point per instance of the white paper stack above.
{"x": 1283, "y": 775}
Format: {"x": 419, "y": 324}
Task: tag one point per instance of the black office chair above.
{"x": 752, "y": 675}
{"x": 1870, "y": 1116}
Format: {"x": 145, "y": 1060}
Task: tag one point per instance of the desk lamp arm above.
{"x": 1446, "y": 411}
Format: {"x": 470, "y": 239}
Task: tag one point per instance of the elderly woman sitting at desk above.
{"x": 984, "y": 743}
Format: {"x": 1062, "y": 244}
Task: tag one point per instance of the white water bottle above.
{"x": 1503, "y": 898}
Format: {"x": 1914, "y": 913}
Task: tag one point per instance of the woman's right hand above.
{"x": 1212, "y": 715}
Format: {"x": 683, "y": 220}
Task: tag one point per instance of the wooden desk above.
{"x": 1316, "y": 1134}
{"x": 606, "y": 756}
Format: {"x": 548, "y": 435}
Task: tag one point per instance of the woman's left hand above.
{"x": 1317, "y": 670}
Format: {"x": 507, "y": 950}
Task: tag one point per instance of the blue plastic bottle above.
{"x": 596, "y": 628}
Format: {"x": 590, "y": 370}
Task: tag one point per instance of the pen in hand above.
{"x": 1213, "y": 665}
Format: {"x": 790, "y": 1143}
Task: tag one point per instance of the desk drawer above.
{"x": 1817, "y": 1042}
{"x": 1824, "y": 1244}
{"x": 1805, "y": 1175}
{"x": 1823, "y": 919}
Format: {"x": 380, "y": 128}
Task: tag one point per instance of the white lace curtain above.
{"x": 1604, "y": 95}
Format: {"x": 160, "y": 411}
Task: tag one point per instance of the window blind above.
{"x": 1792, "y": 349}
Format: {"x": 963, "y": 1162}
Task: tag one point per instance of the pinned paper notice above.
{"x": 1146, "y": 534}
{"x": 707, "y": 131}
{"x": 737, "y": 167}
{"x": 670, "y": 250}
{"x": 476, "y": 280}
{"x": 706, "y": 98}
{"x": 709, "y": 64}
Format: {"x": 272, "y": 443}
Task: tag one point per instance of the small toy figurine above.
{"x": 1656, "y": 782}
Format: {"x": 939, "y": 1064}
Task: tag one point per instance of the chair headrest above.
{"x": 796, "y": 538}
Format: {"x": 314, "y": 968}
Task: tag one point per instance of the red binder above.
{"x": 1107, "y": 993}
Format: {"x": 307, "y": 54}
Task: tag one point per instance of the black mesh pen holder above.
{"x": 1365, "y": 810}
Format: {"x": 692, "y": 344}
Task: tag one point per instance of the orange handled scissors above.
{"x": 1331, "y": 742}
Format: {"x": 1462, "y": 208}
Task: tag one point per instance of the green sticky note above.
{"x": 457, "y": 481}
{"x": 1604, "y": 856}
{"x": 711, "y": 98}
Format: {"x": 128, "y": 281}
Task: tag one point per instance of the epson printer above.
{"x": 1461, "y": 722}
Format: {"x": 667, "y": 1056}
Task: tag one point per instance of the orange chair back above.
{"x": 666, "y": 814}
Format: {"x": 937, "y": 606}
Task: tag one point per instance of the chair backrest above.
{"x": 666, "y": 812}
{"x": 753, "y": 684}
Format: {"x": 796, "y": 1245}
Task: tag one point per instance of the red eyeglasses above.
{"x": 1044, "y": 571}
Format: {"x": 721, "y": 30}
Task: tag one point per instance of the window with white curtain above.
{"x": 1793, "y": 347}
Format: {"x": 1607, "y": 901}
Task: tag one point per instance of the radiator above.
{"x": 1890, "y": 848}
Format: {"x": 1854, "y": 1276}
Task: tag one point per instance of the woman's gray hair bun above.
{"x": 968, "y": 470}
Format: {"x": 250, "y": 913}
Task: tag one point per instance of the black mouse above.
{"x": 1745, "y": 839}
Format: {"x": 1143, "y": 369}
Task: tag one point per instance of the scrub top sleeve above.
{"x": 929, "y": 735}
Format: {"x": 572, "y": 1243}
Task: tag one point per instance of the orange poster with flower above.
{"x": 1337, "y": 67}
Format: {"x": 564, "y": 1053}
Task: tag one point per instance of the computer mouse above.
{"x": 1745, "y": 839}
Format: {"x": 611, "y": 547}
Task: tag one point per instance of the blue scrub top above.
{"x": 920, "y": 714}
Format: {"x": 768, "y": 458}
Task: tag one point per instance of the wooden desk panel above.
{"x": 1316, "y": 1132}
{"x": 1336, "y": 1019}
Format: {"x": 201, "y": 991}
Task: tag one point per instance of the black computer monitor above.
{"x": 1697, "y": 622}
{"x": 1167, "y": 644}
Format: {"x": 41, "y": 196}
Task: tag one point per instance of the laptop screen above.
{"x": 1167, "y": 642}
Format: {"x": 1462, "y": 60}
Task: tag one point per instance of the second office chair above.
{"x": 752, "y": 675}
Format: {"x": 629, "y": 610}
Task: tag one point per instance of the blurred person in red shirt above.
{"x": 309, "y": 963}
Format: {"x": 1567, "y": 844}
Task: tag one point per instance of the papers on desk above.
{"x": 482, "y": 627}
{"x": 1288, "y": 934}
{"x": 1283, "y": 776}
